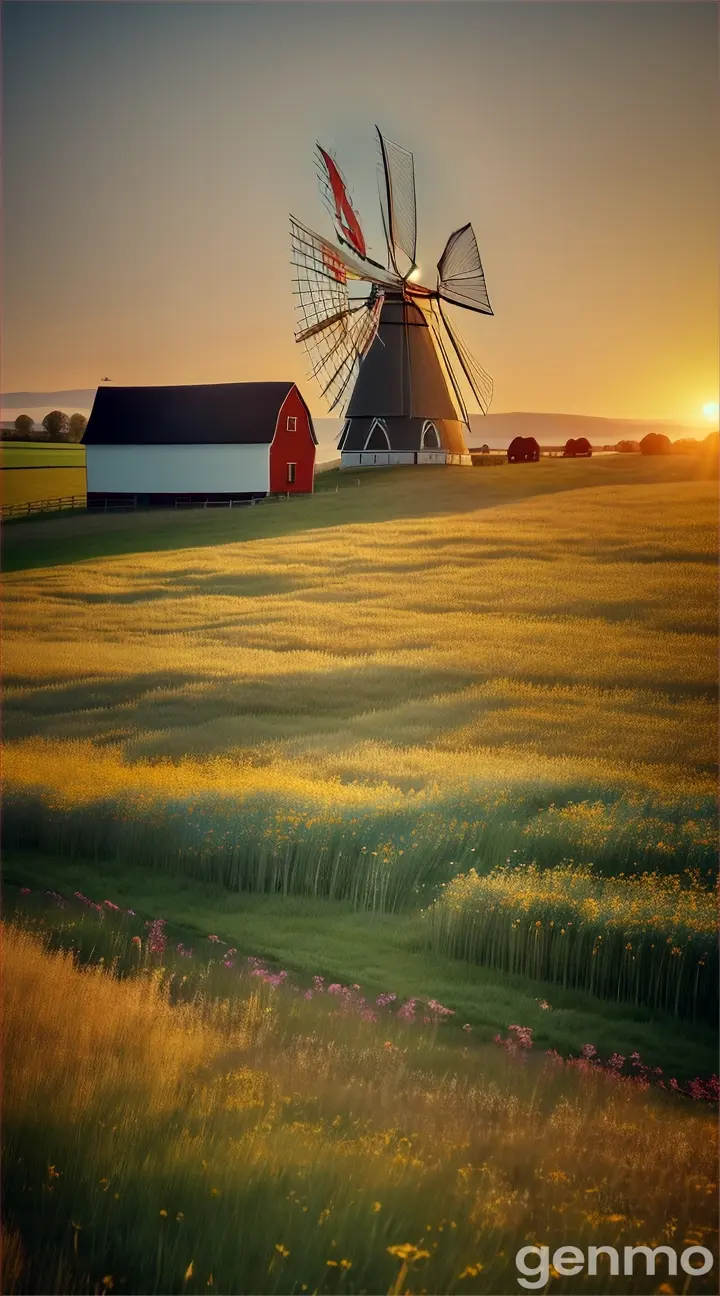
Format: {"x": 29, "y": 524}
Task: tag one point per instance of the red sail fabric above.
{"x": 344, "y": 214}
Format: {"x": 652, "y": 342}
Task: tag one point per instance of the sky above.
{"x": 153, "y": 152}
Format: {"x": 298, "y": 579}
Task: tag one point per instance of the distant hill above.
{"x": 495, "y": 430}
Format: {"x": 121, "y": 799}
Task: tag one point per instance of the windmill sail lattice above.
{"x": 379, "y": 341}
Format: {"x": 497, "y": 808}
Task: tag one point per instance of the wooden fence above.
{"x": 43, "y": 506}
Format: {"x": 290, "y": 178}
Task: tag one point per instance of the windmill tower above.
{"x": 380, "y": 343}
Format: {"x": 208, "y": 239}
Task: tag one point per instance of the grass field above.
{"x": 32, "y": 472}
{"x": 403, "y": 735}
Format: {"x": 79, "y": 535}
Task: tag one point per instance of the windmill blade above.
{"x": 335, "y": 332}
{"x": 310, "y": 249}
{"x": 399, "y": 169}
{"x": 333, "y": 189}
{"x": 479, "y": 380}
{"x": 337, "y": 348}
{"x": 437, "y": 334}
{"x": 382, "y": 195}
{"x": 461, "y": 278}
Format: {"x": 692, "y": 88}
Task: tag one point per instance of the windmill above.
{"x": 382, "y": 345}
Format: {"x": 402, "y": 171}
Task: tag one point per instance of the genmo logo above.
{"x": 535, "y": 1263}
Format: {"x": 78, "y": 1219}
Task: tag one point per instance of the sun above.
{"x": 711, "y": 411}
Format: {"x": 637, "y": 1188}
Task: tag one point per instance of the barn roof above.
{"x": 210, "y": 413}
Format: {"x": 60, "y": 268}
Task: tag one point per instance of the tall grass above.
{"x": 650, "y": 940}
{"x": 378, "y": 848}
{"x": 262, "y": 1144}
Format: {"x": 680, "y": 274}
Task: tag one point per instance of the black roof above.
{"x": 210, "y": 413}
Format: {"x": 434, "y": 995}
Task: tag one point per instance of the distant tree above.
{"x": 655, "y": 443}
{"x": 569, "y": 452}
{"x": 523, "y": 450}
{"x": 24, "y": 427}
{"x": 77, "y": 426}
{"x": 56, "y": 425}
{"x": 485, "y": 449}
{"x": 628, "y": 447}
{"x": 712, "y": 442}
{"x": 685, "y": 445}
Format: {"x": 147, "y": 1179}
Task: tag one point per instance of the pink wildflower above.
{"x": 440, "y": 1009}
{"x": 384, "y": 999}
{"x": 157, "y": 940}
{"x": 407, "y": 1012}
{"x": 110, "y": 905}
{"x": 589, "y": 1051}
{"x": 25, "y": 890}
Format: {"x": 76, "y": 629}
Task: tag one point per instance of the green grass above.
{"x": 45, "y": 454}
{"x": 382, "y": 495}
{"x": 384, "y": 953}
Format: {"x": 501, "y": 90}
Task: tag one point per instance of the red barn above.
{"x": 155, "y": 446}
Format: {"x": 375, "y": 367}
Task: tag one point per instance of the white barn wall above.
{"x": 178, "y": 469}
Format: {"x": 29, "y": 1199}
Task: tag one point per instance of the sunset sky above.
{"x": 153, "y": 152}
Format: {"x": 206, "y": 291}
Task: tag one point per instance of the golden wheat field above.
{"x": 380, "y": 664}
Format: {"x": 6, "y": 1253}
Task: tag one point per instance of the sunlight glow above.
{"x": 414, "y": 274}
{"x": 711, "y": 411}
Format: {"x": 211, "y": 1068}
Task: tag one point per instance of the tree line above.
{"x": 57, "y": 426}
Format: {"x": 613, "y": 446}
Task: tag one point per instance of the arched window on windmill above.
{"x": 430, "y": 439}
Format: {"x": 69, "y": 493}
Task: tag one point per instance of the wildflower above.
{"x": 283, "y": 1251}
{"x": 189, "y": 1270}
{"x": 110, "y": 905}
{"x": 214, "y": 939}
{"x": 25, "y": 890}
{"x": 470, "y": 1271}
{"x": 108, "y": 1283}
{"x": 376, "y": 1206}
{"x": 163, "y": 1212}
{"x": 228, "y": 963}
{"x": 157, "y": 940}
{"x": 137, "y": 941}
{"x": 588, "y": 1051}
{"x": 467, "y": 1027}
{"x": 408, "y": 1252}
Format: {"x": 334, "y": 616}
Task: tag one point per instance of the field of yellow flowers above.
{"x": 219, "y": 1130}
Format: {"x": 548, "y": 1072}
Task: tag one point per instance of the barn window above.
{"x": 291, "y": 472}
{"x": 291, "y": 423}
